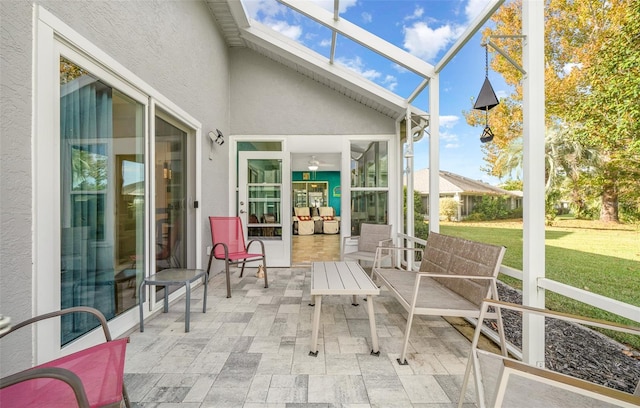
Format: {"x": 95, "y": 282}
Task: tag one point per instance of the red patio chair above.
{"x": 92, "y": 377}
{"x": 227, "y": 237}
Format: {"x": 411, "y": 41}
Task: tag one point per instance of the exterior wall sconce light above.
{"x": 217, "y": 137}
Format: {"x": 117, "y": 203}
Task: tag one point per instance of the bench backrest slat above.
{"x": 458, "y": 256}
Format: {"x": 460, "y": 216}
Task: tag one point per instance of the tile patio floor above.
{"x": 252, "y": 351}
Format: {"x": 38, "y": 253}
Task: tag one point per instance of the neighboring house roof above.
{"x": 451, "y": 183}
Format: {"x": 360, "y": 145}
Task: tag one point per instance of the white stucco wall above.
{"x": 15, "y": 177}
{"x": 173, "y": 46}
{"x": 269, "y": 98}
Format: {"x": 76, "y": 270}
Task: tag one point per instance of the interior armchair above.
{"x": 303, "y": 221}
{"x": 330, "y": 223}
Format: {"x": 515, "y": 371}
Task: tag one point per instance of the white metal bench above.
{"x": 455, "y": 275}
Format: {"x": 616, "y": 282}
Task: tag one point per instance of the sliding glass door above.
{"x": 102, "y": 192}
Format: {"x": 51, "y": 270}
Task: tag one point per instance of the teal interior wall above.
{"x": 332, "y": 177}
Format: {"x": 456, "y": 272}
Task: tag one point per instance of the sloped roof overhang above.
{"x": 241, "y": 31}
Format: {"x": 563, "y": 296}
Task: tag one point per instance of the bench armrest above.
{"x": 389, "y": 251}
{"x": 445, "y": 275}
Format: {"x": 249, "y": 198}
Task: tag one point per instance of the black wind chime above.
{"x": 486, "y": 99}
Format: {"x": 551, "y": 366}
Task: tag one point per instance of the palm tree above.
{"x": 566, "y": 161}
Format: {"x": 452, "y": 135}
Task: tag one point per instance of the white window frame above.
{"x": 395, "y": 211}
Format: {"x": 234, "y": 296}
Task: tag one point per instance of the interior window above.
{"x": 369, "y": 184}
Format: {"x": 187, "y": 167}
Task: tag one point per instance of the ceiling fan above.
{"x": 314, "y": 164}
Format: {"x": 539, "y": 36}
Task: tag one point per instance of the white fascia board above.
{"x": 239, "y": 13}
{"x": 471, "y": 30}
{"x": 363, "y": 37}
{"x": 289, "y": 49}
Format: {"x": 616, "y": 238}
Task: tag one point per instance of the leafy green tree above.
{"x": 592, "y": 88}
{"x": 421, "y": 228}
{"x": 448, "y": 208}
{"x": 607, "y": 110}
{"x": 512, "y": 185}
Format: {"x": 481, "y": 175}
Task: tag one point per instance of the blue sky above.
{"x": 426, "y": 29}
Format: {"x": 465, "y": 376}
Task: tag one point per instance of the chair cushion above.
{"x": 326, "y": 211}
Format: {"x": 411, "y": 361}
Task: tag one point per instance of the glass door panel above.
{"x": 171, "y": 196}
{"x": 101, "y": 198}
{"x": 265, "y": 212}
{"x": 264, "y": 197}
{"x": 261, "y": 178}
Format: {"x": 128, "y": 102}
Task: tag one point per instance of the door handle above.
{"x": 242, "y": 211}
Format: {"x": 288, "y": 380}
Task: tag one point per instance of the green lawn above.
{"x": 603, "y": 261}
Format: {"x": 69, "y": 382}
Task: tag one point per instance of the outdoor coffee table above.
{"x": 341, "y": 278}
{"x": 175, "y": 276}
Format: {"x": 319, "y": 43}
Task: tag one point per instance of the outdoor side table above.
{"x": 174, "y": 276}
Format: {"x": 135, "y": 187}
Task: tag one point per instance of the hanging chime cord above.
{"x": 486, "y": 75}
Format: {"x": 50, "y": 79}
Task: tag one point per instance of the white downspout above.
{"x": 408, "y": 155}
{"x": 409, "y": 172}
{"x": 533, "y": 113}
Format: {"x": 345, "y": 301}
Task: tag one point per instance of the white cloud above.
{"x": 328, "y": 4}
{"x": 291, "y": 31}
{"x": 266, "y": 8}
{"x": 448, "y": 121}
{"x": 400, "y": 69}
{"x": 426, "y": 42}
{"x": 391, "y": 82}
{"x": 272, "y": 14}
{"x": 356, "y": 65}
{"x": 474, "y": 7}
{"x": 417, "y": 14}
{"x": 367, "y": 17}
{"x": 450, "y": 140}
{"x": 325, "y": 42}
